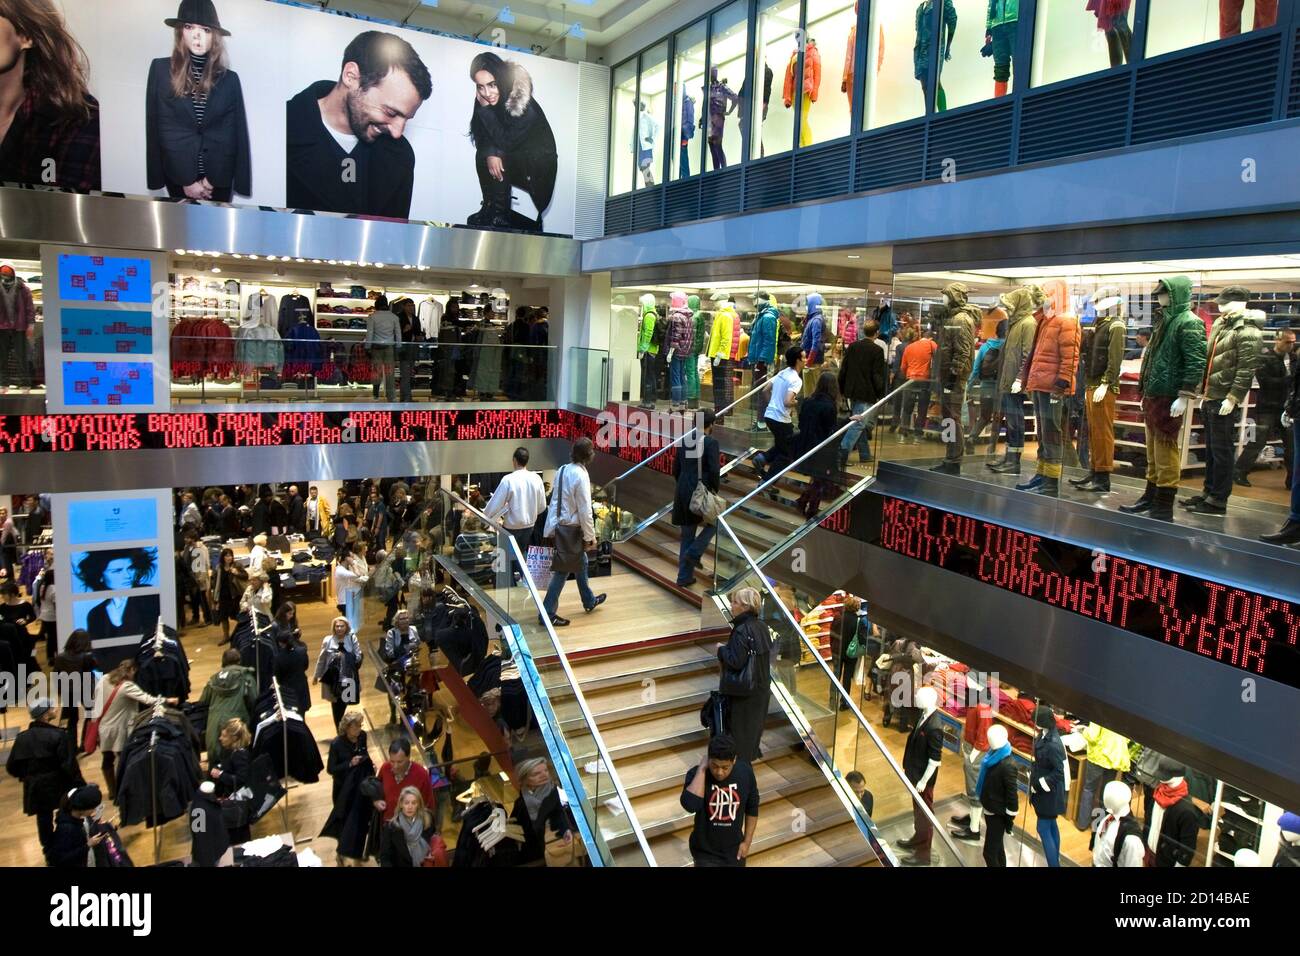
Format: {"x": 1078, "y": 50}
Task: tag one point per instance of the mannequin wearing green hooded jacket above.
{"x": 647, "y": 350}
{"x": 697, "y": 346}
{"x": 1021, "y": 325}
{"x": 1173, "y": 371}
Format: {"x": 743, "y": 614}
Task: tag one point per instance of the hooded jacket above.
{"x": 681, "y": 327}
{"x": 762, "y": 337}
{"x": 701, "y": 336}
{"x": 1174, "y": 362}
{"x": 813, "y": 328}
{"x": 724, "y": 336}
{"x": 1106, "y": 351}
{"x": 957, "y": 337}
{"x": 646, "y": 341}
{"x": 43, "y": 758}
{"x": 1235, "y": 342}
{"x": 982, "y": 358}
{"x": 812, "y": 74}
{"x": 1053, "y": 360}
{"x": 1020, "y": 305}
{"x": 230, "y": 692}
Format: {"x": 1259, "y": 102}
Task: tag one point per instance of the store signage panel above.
{"x": 1252, "y": 632}
{"x": 65, "y": 433}
{"x": 96, "y": 278}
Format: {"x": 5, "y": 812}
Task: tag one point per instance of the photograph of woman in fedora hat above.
{"x": 49, "y": 122}
{"x": 196, "y": 132}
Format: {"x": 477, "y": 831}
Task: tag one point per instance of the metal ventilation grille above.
{"x": 822, "y": 171}
{"x": 647, "y": 208}
{"x": 593, "y": 150}
{"x": 720, "y": 192}
{"x": 1079, "y": 119}
{"x": 1293, "y": 95}
{"x": 970, "y": 142}
{"x": 618, "y": 214}
{"x": 681, "y": 201}
{"x": 767, "y": 182}
{"x": 1222, "y": 88}
{"x": 889, "y": 159}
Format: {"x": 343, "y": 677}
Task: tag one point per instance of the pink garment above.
{"x": 1108, "y": 11}
{"x": 847, "y": 327}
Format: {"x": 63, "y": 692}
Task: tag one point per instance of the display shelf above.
{"x": 1242, "y": 813}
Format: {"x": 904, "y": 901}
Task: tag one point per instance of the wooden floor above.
{"x": 308, "y": 805}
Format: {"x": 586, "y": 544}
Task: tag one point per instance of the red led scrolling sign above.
{"x": 1252, "y": 632}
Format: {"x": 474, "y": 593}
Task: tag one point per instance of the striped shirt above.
{"x": 197, "y": 65}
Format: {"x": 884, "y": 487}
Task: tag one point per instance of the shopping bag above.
{"x": 539, "y": 560}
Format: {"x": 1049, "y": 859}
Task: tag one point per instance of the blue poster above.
{"x": 104, "y": 279}
{"x": 108, "y": 383}
{"x": 112, "y": 520}
{"x": 103, "y": 331}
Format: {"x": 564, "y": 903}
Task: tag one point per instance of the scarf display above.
{"x": 1167, "y": 796}
{"x": 991, "y": 759}
{"x": 413, "y": 832}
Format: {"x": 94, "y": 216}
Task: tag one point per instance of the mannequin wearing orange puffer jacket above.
{"x": 812, "y": 81}
{"x": 1049, "y": 374}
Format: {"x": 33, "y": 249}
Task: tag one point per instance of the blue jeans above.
{"x": 857, "y": 434}
{"x": 695, "y": 541}
{"x": 677, "y": 379}
{"x": 1050, "y": 834}
{"x": 552, "y": 600}
{"x": 1013, "y": 413}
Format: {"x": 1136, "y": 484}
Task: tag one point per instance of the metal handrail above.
{"x": 845, "y": 695}
{"x": 838, "y": 433}
{"x": 647, "y": 522}
{"x": 673, "y": 444}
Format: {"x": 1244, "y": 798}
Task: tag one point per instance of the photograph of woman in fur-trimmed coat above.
{"x": 513, "y": 144}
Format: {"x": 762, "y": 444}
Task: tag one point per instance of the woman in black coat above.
{"x": 749, "y": 635}
{"x": 513, "y": 142}
{"x": 817, "y": 422}
{"x": 404, "y": 840}
{"x": 196, "y": 133}
{"x": 1047, "y": 782}
{"x": 349, "y": 764}
{"x": 691, "y": 465}
{"x": 77, "y": 831}
{"x": 291, "y": 658}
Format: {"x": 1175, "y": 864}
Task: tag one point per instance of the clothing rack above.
{"x": 284, "y": 739}
{"x": 158, "y": 640}
{"x": 159, "y": 710}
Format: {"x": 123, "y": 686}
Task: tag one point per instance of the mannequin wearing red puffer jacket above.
{"x": 1049, "y": 373}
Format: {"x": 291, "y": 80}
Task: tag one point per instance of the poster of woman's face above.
{"x": 117, "y": 569}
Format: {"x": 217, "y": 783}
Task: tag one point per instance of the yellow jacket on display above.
{"x": 1106, "y": 748}
{"x": 720, "y": 337}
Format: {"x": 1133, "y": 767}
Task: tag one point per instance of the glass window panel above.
{"x": 832, "y": 32}
{"x": 980, "y": 38}
{"x": 622, "y": 129}
{"x": 777, "y": 43}
{"x": 1178, "y": 24}
{"x": 652, "y": 107}
{"x": 727, "y": 70}
{"x": 1073, "y": 40}
{"x": 689, "y": 100}
{"x": 892, "y": 91}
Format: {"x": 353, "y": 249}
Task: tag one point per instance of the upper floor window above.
{"x": 689, "y": 98}
{"x": 651, "y": 108}
{"x": 1071, "y": 39}
{"x": 622, "y": 128}
{"x": 1178, "y": 24}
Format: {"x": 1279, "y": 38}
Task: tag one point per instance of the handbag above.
{"x": 559, "y": 853}
{"x": 569, "y": 546}
{"x": 713, "y": 715}
{"x": 91, "y": 743}
{"x": 706, "y": 504}
{"x": 743, "y": 681}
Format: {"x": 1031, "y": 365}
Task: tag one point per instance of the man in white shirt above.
{"x": 519, "y": 499}
{"x": 779, "y": 417}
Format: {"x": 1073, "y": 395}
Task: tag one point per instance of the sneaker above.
{"x": 1242, "y": 480}
{"x": 600, "y": 599}
{"x": 964, "y": 833}
{"x": 558, "y": 621}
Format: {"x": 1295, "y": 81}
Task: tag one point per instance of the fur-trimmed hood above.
{"x": 521, "y": 90}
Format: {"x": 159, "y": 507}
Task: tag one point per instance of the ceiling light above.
{"x": 237, "y": 255}
{"x": 251, "y": 256}
{"x": 379, "y": 265}
{"x": 299, "y": 260}
{"x": 854, "y": 257}
{"x": 317, "y": 261}
{"x": 334, "y": 262}
{"x": 179, "y": 252}
{"x": 216, "y": 268}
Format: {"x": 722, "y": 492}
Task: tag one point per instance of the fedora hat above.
{"x": 202, "y": 12}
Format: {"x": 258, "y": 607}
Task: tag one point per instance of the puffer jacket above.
{"x": 762, "y": 338}
{"x": 681, "y": 326}
{"x": 1174, "y": 362}
{"x": 814, "y": 330}
{"x": 230, "y": 692}
{"x": 1235, "y": 342}
{"x": 1020, "y": 305}
{"x": 645, "y": 341}
{"x": 956, "y": 352}
{"x": 812, "y": 74}
{"x": 701, "y": 336}
{"x": 1106, "y": 351}
{"x": 1054, "y": 358}
{"x": 720, "y": 338}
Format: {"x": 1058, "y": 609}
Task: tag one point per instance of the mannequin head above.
{"x": 7, "y": 275}
{"x": 997, "y": 736}
{"x": 678, "y": 300}
{"x": 693, "y": 302}
{"x": 1233, "y": 299}
{"x": 927, "y": 699}
{"x": 1044, "y": 719}
{"x": 814, "y": 301}
{"x": 647, "y": 303}
{"x": 1245, "y": 858}
{"x": 1289, "y": 824}
{"x": 1116, "y": 797}
{"x": 1172, "y": 773}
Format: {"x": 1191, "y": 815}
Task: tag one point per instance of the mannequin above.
{"x": 814, "y": 331}
{"x": 1108, "y": 757}
{"x": 687, "y": 134}
{"x": 846, "y": 83}
{"x": 211, "y": 844}
{"x": 956, "y": 355}
{"x": 681, "y": 337}
{"x": 17, "y": 316}
{"x": 647, "y": 134}
{"x": 1175, "y": 820}
{"x": 808, "y": 89}
{"x": 1173, "y": 372}
{"x": 1048, "y": 372}
{"x": 724, "y": 339}
{"x": 1288, "y": 847}
{"x": 974, "y": 744}
{"x": 1021, "y": 325}
{"x": 722, "y": 103}
{"x": 1000, "y": 41}
{"x": 647, "y": 349}
{"x": 1234, "y": 353}
{"x": 1102, "y": 364}
{"x": 698, "y": 343}
{"x": 996, "y": 787}
{"x": 1230, "y": 16}
{"x": 921, "y": 47}
{"x": 921, "y": 759}
{"x": 1112, "y": 21}
{"x": 1117, "y": 838}
{"x": 1049, "y": 783}
{"x": 1244, "y": 858}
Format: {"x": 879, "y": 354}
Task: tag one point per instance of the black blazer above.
{"x": 392, "y": 845}
{"x": 173, "y": 140}
{"x": 999, "y": 797}
{"x": 924, "y": 744}
{"x": 864, "y": 376}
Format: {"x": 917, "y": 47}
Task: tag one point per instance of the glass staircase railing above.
{"x": 486, "y": 562}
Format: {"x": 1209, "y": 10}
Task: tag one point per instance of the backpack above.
{"x": 991, "y": 364}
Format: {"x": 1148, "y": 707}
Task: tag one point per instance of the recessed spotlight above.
{"x": 334, "y": 262}
{"x": 316, "y": 261}
{"x": 179, "y": 252}
{"x": 237, "y": 255}
{"x": 216, "y": 268}
{"x": 854, "y": 257}
{"x": 379, "y": 265}
{"x": 299, "y": 260}
{"x": 251, "y": 256}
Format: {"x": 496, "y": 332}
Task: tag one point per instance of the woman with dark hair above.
{"x": 196, "y": 134}
{"x": 291, "y": 659}
{"x": 817, "y": 419}
{"x": 69, "y": 666}
{"x": 46, "y": 110}
{"x": 383, "y": 339}
{"x": 228, "y": 583}
{"x": 513, "y": 143}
